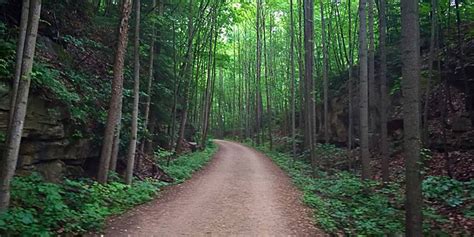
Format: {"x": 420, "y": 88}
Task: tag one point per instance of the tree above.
{"x": 150, "y": 77}
{"x": 292, "y": 70}
{"x": 258, "y": 68}
{"x": 325, "y": 72}
{"x": 411, "y": 74}
{"x": 114, "y": 112}
{"x": 30, "y": 14}
{"x": 384, "y": 148}
{"x": 373, "y": 98}
{"x": 136, "y": 95}
{"x": 309, "y": 86}
{"x": 350, "y": 82}
{"x": 19, "y": 55}
{"x": 364, "y": 103}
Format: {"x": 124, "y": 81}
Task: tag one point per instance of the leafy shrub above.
{"x": 342, "y": 202}
{"x": 448, "y": 191}
{"x": 44, "y": 76}
{"x": 183, "y": 167}
{"x": 43, "y": 209}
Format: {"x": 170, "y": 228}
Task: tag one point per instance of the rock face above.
{"x": 47, "y": 145}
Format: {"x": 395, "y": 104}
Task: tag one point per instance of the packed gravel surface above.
{"x": 240, "y": 193}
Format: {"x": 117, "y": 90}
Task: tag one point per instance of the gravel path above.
{"x": 240, "y": 193}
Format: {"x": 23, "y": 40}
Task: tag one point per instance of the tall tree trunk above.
{"x": 350, "y": 82}
{"x": 116, "y": 140}
{"x": 267, "y": 79}
{"x": 146, "y": 114}
{"x": 364, "y": 103}
{"x": 372, "y": 88}
{"x": 186, "y": 72}
{"x": 309, "y": 86}
{"x": 325, "y": 71}
{"x": 301, "y": 65}
{"x": 113, "y": 115}
{"x": 258, "y": 68}
{"x": 292, "y": 70}
{"x": 15, "y": 130}
{"x": 384, "y": 147}
{"x": 210, "y": 75}
{"x": 411, "y": 73}
{"x": 19, "y": 55}
{"x": 136, "y": 95}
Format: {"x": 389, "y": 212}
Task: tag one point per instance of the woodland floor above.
{"x": 240, "y": 193}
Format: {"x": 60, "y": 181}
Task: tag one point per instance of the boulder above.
{"x": 52, "y": 171}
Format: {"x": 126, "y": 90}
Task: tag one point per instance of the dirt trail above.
{"x": 240, "y": 193}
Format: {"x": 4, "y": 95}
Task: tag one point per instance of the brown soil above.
{"x": 240, "y": 193}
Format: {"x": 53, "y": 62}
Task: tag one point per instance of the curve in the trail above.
{"x": 241, "y": 192}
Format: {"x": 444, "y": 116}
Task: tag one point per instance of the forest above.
{"x": 361, "y": 112}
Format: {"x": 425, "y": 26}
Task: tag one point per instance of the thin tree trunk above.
{"x": 267, "y": 83}
{"x": 292, "y": 70}
{"x": 325, "y": 71}
{"x": 364, "y": 103}
{"x": 302, "y": 115}
{"x": 258, "y": 68}
{"x": 13, "y": 141}
{"x": 186, "y": 72}
{"x": 116, "y": 141}
{"x": 210, "y": 77}
{"x": 19, "y": 56}
{"x": 309, "y": 63}
{"x": 136, "y": 95}
{"x": 384, "y": 147}
{"x": 350, "y": 82}
{"x": 371, "y": 70}
{"x": 116, "y": 97}
{"x": 146, "y": 114}
{"x": 411, "y": 73}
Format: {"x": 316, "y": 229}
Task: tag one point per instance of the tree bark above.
{"x": 15, "y": 130}
{"x": 411, "y": 73}
{"x": 19, "y": 56}
{"x": 364, "y": 103}
{"x": 292, "y": 70}
{"x": 384, "y": 146}
{"x": 309, "y": 86}
{"x": 325, "y": 71}
{"x": 258, "y": 106}
{"x": 146, "y": 114}
{"x": 136, "y": 95}
{"x": 350, "y": 82}
{"x": 186, "y": 71}
{"x": 117, "y": 90}
{"x": 373, "y": 98}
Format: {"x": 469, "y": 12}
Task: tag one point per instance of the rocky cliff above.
{"x": 48, "y": 145}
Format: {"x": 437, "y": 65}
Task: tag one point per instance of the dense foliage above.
{"x": 41, "y": 208}
{"x": 45, "y": 209}
{"x": 343, "y": 203}
{"x": 183, "y": 167}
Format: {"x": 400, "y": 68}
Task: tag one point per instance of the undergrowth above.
{"x": 343, "y": 203}
{"x": 73, "y": 207}
{"x": 39, "y": 208}
{"x": 184, "y": 166}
